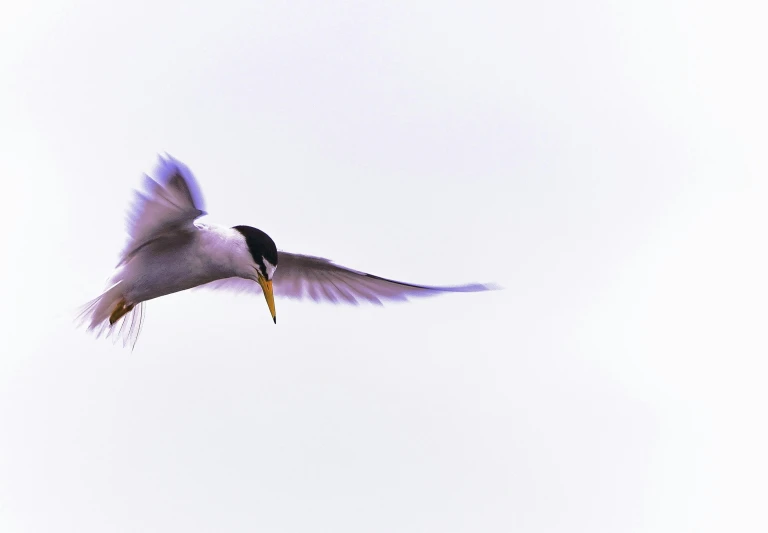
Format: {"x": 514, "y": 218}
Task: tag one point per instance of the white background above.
{"x": 603, "y": 161}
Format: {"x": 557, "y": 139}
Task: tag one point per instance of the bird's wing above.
{"x": 169, "y": 204}
{"x": 315, "y": 278}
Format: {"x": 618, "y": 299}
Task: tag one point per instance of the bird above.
{"x": 170, "y": 250}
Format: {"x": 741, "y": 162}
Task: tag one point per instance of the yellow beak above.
{"x": 266, "y": 286}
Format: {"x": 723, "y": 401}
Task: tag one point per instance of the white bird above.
{"x": 169, "y": 251}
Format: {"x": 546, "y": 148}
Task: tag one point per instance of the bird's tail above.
{"x": 111, "y": 315}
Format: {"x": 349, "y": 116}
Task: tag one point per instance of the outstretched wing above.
{"x": 169, "y": 203}
{"x": 318, "y": 279}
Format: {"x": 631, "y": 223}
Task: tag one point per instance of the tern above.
{"x": 170, "y": 250}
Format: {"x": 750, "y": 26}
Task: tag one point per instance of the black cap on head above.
{"x": 260, "y": 245}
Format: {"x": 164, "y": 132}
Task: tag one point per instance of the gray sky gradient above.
{"x": 604, "y": 159}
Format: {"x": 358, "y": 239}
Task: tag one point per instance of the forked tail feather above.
{"x": 111, "y": 316}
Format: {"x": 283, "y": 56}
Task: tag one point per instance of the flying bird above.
{"x": 170, "y": 250}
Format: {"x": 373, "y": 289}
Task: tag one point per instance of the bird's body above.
{"x": 179, "y": 262}
{"x": 169, "y": 251}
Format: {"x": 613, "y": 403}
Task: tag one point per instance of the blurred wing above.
{"x": 235, "y": 285}
{"x": 169, "y": 204}
{"x": 315, "y": 278}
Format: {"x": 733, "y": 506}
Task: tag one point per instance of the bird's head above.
{"x": 264, "y": 254}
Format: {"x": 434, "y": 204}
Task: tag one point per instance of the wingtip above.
{"x": 167, "y": 166}
{"x": 476, "y": 287}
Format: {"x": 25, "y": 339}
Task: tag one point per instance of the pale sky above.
{"x": 603, "y": 161}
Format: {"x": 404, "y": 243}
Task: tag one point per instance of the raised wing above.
{"x": 169, "y": 203}
{"x": 318, "y": 279}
